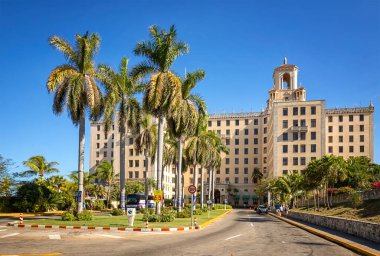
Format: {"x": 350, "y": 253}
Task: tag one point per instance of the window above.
{"x": 350, "y": 118}
{"x": 284, "y": 172}
{"x": 265, "y": 130}
{"x": 236, "y": 180}
{"x": 303, "y": 135}
{"x": 295, "y": 122}
{"x": 330, "y": 149}
{"x": 313, "y": 135}
{"x": 330, "y": 119}
{"x": 97, "y": 145}
{"x": 284, "y": 124}
{"x": 136, "y": 174}
{"x": 303, "y": 111}
{"x": 285, "y": 111}
{"x": 217, "y": 180}
{"x": 330, "y": 139}
{"x": 236, "y": 151}
{"x": 255, "y": 160}
{"x": 313, "y": 122}
{"x": 265, "y": 120}
{"x": 228, "y": 131}
{"x": 227, "y": 122}
{"x": 105, "y": 145}
{"x": 303, "y": 122}
{"x": 303, "y": 148}
{"x": 340, "y": 128}
{"x": 255, "y": 141}
{"x": 295, "y": 135}
{"x": 227, "y": 180}
{"x": 255, "y": 131}
{"x": 112, "y": 145}
{"x": 137, "y": 163}
{"x": 351, "y": 149}
{"x": 340, "y": 139}
{"x": 340, "y": 118}
{"x": 236, "y": 122}
{"x": 313, "y": 110}
{"x": 361, "y": 138}
{"x": 131, "y": 152}
{"x": 130, "y": 163}
{"x": 265, "y": 150}
{"x": 284, "y": 161}
{"x": 330, "y": 129}
{"x": 236, "y": 131}
{"x": 351, "y": 128}
{"x": 97, "y": 162}
{"x": 246, "y": 141}
{"x": 285, "y": 136}
{"x": 217, "y": 122}
{"x": 236, "y": 141}
{"x": 264, "y": 170}
{"x": 351, "y": 138}
{"x": 313, "y": 148}
{"x": 255, "y": 121}
{"x": 361, "y": 149}
{"x": 98, "y": 136}
{"x": 295, "y": 111}
{"x": 209, "y": 123}
{"x": 113, "y": 136}
{"x": 236, "y": 170}
{"x": 130, "y": 174}
{"x": 265, "y": 140}
{"x": 227, "y": 141}
{"x": 264, "y": 160}
{"x": 227, "y": 170}
{"x": 245, "y": 170}
{"x": 246, "y": 121}
{"x": 97, "y": 153}
{"x": 340, "y": 149}
{"x": 295, "y": 160}
{"x": 361, "y": 117}
{"x": 98, "y": 128}
{"x": 295, "y": 148}
{"x": 245, "y": 151}
{"x": 362, "y": 128}
{"x": 246, "y": 180}
{"x": 255, "y": 151}
{"x": 227, "y": 161}
{"x": 284, "y": 148}
{"x": 303, "y": 161}
{"x": 245, "y": 131}
{"x": 236, "y": 160}
{"x": 131, "y": 141}
{"x": 105, "y": 154}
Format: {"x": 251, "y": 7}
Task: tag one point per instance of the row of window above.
{"x": 105, "y": 154}
{"x": 299, "y": 111}
{"x": 297, "y": 123}
{"x": 255, "y": 160}
{"x": 350, "y": 128}
{"x": 350, "y": 138}
{"x": 136, "y": 175}
{"x": 297, "y": 148}
{"x": 98, "y": 128}
{"x": 246, "y": 141}
{"x": 296, "y": 161}
{"x": 299, "y": 136}
{"x": 237, "y": 122}
{"x": 350, "y": 118}
{"x": 350, "y": 149}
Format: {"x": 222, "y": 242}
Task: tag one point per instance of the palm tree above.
{"x": 256, "y": 175}
{"x": 75, "y": 86}
{"x": 56, "y": 182}
{"x": 163, "y": 91}
{"x": 145, "y": 141}
{"x": 106, "y": 173}
{"x": 119, "y": 101}
{"x": 39, "y": 166}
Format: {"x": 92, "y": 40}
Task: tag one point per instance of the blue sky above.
{"x": 336, "y": 45}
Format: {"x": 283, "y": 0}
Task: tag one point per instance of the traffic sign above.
{"x": 192, "y": 189}
{"x": 157, "y": 196}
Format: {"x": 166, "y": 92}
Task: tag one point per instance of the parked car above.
{"x": 151, "y": 204}
{"x": 262, "y": 209}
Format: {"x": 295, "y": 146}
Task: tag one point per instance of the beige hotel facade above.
{"x": 281, "y": 139}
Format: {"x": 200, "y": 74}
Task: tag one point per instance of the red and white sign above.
{"x": 192, "y": 189}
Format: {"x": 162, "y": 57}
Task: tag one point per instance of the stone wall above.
{"x": 367, "y": 230}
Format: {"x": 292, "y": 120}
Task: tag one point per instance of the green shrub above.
{"x": 99, "y": 205}
{"x": 85, "y": 215}
{"x": 167, "y": 215}
{"x": 197, "y": 206}
{"x": 151, "y": 217}
{"x": 67, "y": 216}
{"x": 344, "y": 190}
{"x": 117, "y": 212}
{"x": 198, "y": 212}
{"x": 356, "y": 199}
{"x": 184, "y": 214}
{"x": 221, "y": 206}
{"x": 147, "y": 210}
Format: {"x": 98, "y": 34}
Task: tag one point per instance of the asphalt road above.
{"x": 241, "y": 232}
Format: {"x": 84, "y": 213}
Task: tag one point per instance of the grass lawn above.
{"x": 122, "y": 221}
{"x": 367, "y": 211}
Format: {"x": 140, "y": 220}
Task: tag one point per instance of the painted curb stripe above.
{"x": 349, "y": 245}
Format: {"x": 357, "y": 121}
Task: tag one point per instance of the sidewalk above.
{"x": 349, "y": 241}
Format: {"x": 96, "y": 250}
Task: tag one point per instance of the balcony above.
{"x": 299, "y": 128}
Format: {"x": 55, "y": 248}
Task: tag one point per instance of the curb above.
{"x": 214, "y": 219}
{"x": 335, "y": 239}
{"x": 34, "y": 226}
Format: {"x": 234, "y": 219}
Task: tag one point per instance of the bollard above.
{"x": 146, "y": 224}
{"x": 195, "y": 222}
{"x": 21, "y": 218}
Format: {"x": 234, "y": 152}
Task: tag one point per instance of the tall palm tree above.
{"x": 106, "y": 173}
{"x": 119, "y": 101}
{"x": 75, "y": 87}
{"x": 39, "y": 166}
{"x": 163, "y": 91}
{"x": 145, "y": 142}
{"x": 256, "y": 175}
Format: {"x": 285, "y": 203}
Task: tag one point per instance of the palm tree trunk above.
{"x": 160, "y": 147}
{"x": 122, "y": 167}
{"x": 213, "y": 186}
{"x": 209, "y": 183}
{"x": 82, "y": 126}
{"x": 202, "y": 188}
{"x": 179, "y": 174}
{"x": 146, "y": 177}
{"x": 195, "y": 184}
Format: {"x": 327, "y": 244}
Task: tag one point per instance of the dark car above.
{"x": 262, "y": 209}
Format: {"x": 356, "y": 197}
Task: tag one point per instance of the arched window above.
{"x": 286, "y": 81}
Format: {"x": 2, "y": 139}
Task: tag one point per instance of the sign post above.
{"x": 131, "y": 213}
{"x": 209, "y": 203}
{"x": 192, "y": 189}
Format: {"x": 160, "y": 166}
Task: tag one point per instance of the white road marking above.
{"x": 12, "y": 234}
{"x": 55, "y": 237}
{"x": 251, "y": 225}
{"x": 110, "y": 236}
{"x": 232, "y": 237}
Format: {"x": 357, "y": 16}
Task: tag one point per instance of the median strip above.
{"x": 335, "y": 239}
